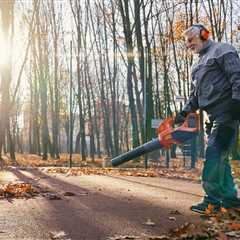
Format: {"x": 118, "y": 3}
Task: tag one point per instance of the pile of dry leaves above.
{"x": 103, "y": 171}
{"x": 27, "y": 190}
{"x": 222, "y": 226}
{"x": 136, "y": 172}
{"x": 18, "y": 190}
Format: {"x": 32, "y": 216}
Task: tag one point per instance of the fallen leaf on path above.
{"x": 149, "y": 222}
{"x": 210, "y": 209}
{"x": 83, "y": 193}
{"x": 58, "y": 235}
{"x": 233, "y": 234}
{"x": 234, "y": 226}
{"x": 180, "y": 230}
{"x": 223, "y": 210}
{"x": 222, "y": 236}
{"x": 176, "y": 212}
{"x": 123, "y": 237}
{"x": 51, "y": 196}
{"x": 69, "y": 194}
{"x": 162, "y": 237}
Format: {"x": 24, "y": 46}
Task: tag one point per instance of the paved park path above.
{"x": 102, "y": 207}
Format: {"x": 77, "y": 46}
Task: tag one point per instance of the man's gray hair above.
{"x": 194, "y": 30}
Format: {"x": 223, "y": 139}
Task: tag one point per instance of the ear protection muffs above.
{"x": 204, "y": 33}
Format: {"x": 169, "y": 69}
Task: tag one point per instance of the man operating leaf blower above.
{"x": 216, "y": 90}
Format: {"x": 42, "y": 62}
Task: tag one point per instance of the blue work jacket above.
{"x": 215, "y": 79}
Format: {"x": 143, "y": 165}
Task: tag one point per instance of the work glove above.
{"x": 235, "y": 109}
{"x": 180, "y": 117}
{"x": 208, "y": 127}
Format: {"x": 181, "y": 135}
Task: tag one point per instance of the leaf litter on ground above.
{"x": 134, "y": 172}
{"x": 225, "y": 225}
{"x": 221, "y": 226}
{"x": 18, "y": 190}
{"x": 26, "y": 190}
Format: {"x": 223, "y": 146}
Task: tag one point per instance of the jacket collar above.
{"x": 206, "y": 47}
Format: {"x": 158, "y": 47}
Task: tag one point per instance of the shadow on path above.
{"x": 97, "y": 215}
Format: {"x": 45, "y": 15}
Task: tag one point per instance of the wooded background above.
{"x": 76, "y": 73}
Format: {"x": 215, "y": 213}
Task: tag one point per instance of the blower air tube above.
{"x": 137, "y": 152}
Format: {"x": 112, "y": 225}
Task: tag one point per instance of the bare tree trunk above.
{"x": 149, "y": 79}
{"x": 43, "y": 89}
{"x": 55, "y": 117}
{"x": 6, "y": 8}
{"x": 124, "y": 10}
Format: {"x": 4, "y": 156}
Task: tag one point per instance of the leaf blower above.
{"x": 167, "y": 135}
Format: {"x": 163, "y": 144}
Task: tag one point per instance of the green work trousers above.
{"x": 217, "y": 179}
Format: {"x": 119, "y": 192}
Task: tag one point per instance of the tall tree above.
{"x": 41, "y": 44}
{"x": 6, "y": 8}
{"x": 127, "y": 30}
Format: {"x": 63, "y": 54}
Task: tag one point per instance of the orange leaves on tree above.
{"x": 179, "y": 27}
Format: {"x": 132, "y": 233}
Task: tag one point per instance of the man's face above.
{"x": 194, "y": 43}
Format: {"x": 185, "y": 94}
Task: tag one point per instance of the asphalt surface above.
{"x": 102, "y": 206}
